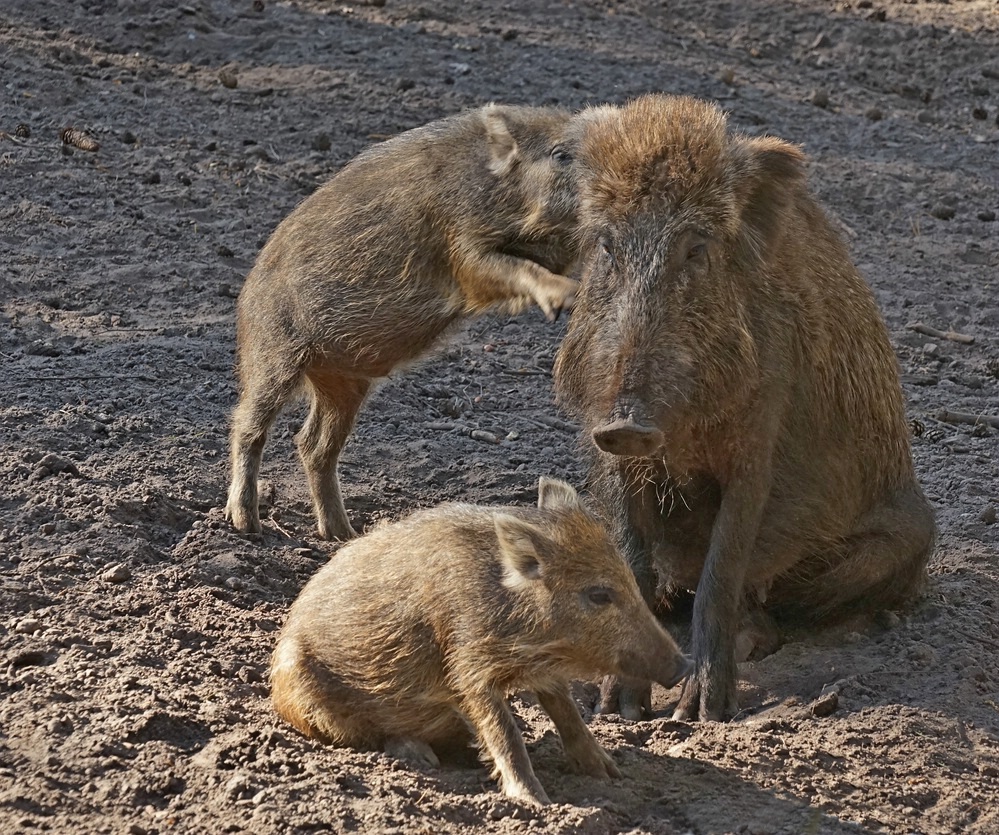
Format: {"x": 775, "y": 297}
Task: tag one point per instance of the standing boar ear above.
{"x": 518, "y": 550}
{"x": 502, "y": 145}
{"x": 766, "y": 171}
{"x": 554, "y": 494}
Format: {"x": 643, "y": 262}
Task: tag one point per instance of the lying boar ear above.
{"x": 518, "y": 550}
{"x": 554, "y": 494}
{"x": 502, "y": 145}
{"x": 767, "y": 171}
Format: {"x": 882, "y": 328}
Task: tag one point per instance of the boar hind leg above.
{"x": 584, "y": 754}
{"x": 881, "y": 565}
{"x": 335, "y": 403}
{"x": 411, "y": 750}
{"x": 503, "y": 742}
{"x": 259, "y": 403}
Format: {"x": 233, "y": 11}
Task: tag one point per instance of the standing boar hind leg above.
{"x": 336, "y": 400}
{"x": 259, "y": 403}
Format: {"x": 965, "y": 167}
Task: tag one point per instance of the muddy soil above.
{"x": 136, "y": 626}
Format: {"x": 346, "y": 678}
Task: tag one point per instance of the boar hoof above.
{"x": 631, "y": 702}
{"x": 242, "y": 519}
{"x": 414, "y": 751}
{"x": 594, "y": 763}
{"x": 627, "y": 438}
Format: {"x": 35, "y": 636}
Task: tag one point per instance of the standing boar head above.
{"x": 680, "y": 221}
{"x": 530, "y": 159}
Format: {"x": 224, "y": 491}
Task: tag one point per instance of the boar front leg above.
{"x": 499, "y": 735}
{"x": 710, "y": 692}
{"x": 490, "y": 278}
{"x": 634, "y": 510}
{"x": 583, "y": 752}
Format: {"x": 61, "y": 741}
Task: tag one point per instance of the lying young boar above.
{"x": 413, "y": 635}
{"x": 749, "y": 438}
{"x": 467, "y": 214}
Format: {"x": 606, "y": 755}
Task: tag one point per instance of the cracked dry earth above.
{"x": 136, "y": 626}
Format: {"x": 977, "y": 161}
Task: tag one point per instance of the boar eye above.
{"x": 605, "y": 251}
{"x": 561, "y": 155}
{"x": 599, "y": 596}
{"x": 696, "y": 251}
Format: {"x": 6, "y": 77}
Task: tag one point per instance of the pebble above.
{"x": 235, "y": 583}
{"x": 28, "y": 626}
{"x": 943, "y": 212}
{"x": 117, "y": 573}
{"x": 825, "y": 704}
{"x": 819, "y": 97}
{"x": 228, "y": 79}
{"x": 874, "y": 114}
{"x": 988, "y": 516}
{"x": 57, "y": 464}
{"x": 321, "y": 142}
{"x": 922, "y": 654}
{"x": 987, "y": 215}
{"x": 727, "y": 76}
{"x": 483, "y": 435}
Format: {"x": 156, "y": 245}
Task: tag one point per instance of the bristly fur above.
{"x": 720, "y": 313}
{"x": 417, "y": 631}
{"x": 464, "y": 215}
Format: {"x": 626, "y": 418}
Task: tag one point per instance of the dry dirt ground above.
{"x": 135, "y": 626}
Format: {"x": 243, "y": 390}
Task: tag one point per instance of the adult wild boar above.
{"x": 742, "y": 399}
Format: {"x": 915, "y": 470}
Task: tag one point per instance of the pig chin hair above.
{"x": 653, "y": 471}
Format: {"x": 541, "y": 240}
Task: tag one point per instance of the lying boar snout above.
{"x": 628, "y": 438}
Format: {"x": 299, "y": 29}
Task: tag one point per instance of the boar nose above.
{"x": 628, "y": 438}
{"x": 683, "y": 668}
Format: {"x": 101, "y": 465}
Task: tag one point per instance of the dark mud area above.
{"x": 136, "y": 627}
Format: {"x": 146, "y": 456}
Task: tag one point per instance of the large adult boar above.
{"x": 467, "y": 214}
{"x": 746, "y": 422}
{"x": 413, "y": 635}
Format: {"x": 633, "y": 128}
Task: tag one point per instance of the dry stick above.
{"x": 987, "y": 641}
{"x": 947, "y": 416}
{"x": 953, "y": 336}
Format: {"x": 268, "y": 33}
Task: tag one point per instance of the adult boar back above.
{"x": 746, "y": 420}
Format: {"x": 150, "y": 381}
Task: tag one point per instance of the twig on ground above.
{"x": 953, "y": 336}
{"x": 947, "y": 416}
{"x": 981, "y": 638}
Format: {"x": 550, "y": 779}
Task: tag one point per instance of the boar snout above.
{"x": 667, "y": 667}
{"x": 674, "y": 671}
{"x": 628, "y": 437}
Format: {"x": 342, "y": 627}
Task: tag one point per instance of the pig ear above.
{"x": 768, "y": 171}
{"x": 554, "y": 494}
{"x": 518, "y": 551}
{"x": 502, "y": 145}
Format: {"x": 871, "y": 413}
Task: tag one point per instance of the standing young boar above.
{"x": 467, "y": 214}
{"x": 749, "y": 440}
{"x": 413, "y": 636}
